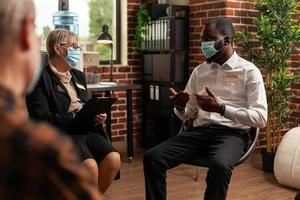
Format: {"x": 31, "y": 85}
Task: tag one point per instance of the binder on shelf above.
{"x": 158, "y": 35}
{"x": 152, "y": 35}
{"x": 151, "y": 90}
{"x": 167, "y": 35}
{"x": 157, "y": 93}
{"x": 164, "y": 34}
{"x": 161, "y": 34}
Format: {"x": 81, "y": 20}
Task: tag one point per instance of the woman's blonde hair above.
{"x": 58, "y": 36}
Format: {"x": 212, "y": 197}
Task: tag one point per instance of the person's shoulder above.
{"x": 252, "y": 72}
{"x": 78, "y": 72}
{"x": 245, "y": 63}
{"x": 203, "y": 64}
{"x": 33, "y": 139}
{"x": 46, "y": 69}
{"x": 46, "y": 73}
{"x": 42, "y": 142}
{"x": 201, "y": 67}
{"x": 42, "y": 135}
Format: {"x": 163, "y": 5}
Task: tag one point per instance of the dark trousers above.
{"x": 221, "y": 145}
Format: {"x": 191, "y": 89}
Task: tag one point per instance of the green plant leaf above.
{"x": 277, "y": 33}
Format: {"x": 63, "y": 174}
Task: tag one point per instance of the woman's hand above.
{"x": 100, "y": 119}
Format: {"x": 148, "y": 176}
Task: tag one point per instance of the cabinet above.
{"x": 165, "y": 62}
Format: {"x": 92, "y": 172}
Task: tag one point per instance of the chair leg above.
{"x": 195, "y": 177}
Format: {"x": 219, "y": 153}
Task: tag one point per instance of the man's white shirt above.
{"x": 238, "y": 84}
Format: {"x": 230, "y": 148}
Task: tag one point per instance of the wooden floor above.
{"x": 248, "y": 182}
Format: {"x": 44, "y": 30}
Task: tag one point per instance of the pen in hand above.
{"x": 80, "y": 101}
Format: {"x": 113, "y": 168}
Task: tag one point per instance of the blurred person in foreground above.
{"x": 36, "y": 162}
{"x": 297, "y": 196}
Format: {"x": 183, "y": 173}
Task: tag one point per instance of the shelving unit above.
{"x": 165, "y": 61}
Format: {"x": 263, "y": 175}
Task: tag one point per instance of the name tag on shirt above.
{"x": 80, "y": 86}
{"x": 231, "y": 76}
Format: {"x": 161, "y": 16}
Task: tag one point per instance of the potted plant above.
{"x": 143, "y": 18}
{"x": 270, "y": 48}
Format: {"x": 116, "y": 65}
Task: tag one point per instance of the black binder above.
{"x": 84, "y": 120}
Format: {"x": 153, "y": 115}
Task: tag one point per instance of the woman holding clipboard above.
{"x": 60, "y": 93}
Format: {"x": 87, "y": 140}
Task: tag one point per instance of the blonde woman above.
{"x": 59, "y": 95}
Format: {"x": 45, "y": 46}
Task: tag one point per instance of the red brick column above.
{"x": 295, "y": 105}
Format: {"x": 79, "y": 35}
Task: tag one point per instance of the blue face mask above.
{"x": 73, "y": 57}
{"x": 208, "y": 48}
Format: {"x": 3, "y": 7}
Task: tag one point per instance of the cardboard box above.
{"x": 91, "y": 59}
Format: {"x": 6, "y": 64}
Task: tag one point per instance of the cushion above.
{"x": 287, "y": 159}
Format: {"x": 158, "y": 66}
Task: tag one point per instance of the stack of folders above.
{"x": 157, "y": 37}
{"x": 154, "y": 92}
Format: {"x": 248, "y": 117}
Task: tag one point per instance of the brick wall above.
{"x": 242, "y": 14}
{"x": 295, "y": 117}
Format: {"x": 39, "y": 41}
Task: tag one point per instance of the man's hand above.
{"x": 100, "y": 119}
{"x": 179, "y": 99}
{"x": 209, "y": 103}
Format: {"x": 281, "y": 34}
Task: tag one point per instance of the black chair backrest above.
{"x": 44, "y": 59}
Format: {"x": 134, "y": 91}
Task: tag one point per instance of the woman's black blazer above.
{"x": 50, "y": 100}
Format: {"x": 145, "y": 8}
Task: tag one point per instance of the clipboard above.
{"x": 84, "y": 119}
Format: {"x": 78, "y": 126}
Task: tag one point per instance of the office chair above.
{"x": 44, "y": 58}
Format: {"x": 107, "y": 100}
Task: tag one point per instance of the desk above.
{"x": 107, "y": 88}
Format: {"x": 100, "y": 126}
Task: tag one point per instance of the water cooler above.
{"x": 65, "y": 19}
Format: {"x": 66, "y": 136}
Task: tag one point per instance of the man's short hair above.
{"x": 12, "y": 15}
{"x": 223, "y": 26}
{"x": 57, "y": 36}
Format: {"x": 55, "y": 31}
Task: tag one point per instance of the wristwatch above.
{"x": 181, "y": 109}
{"x": 222, "y": 110}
